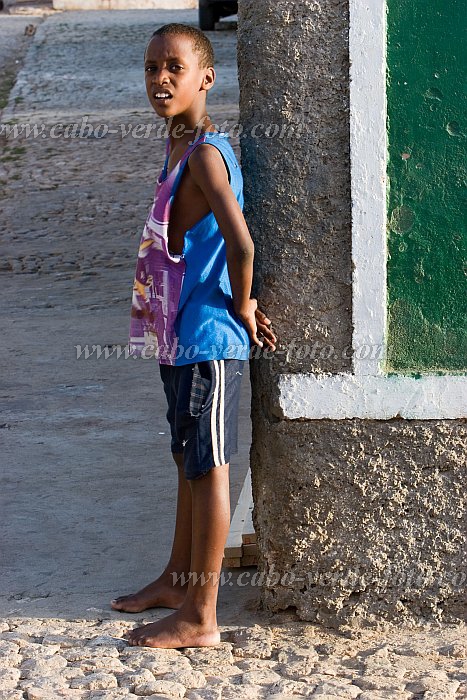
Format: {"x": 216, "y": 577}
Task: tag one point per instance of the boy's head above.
{"x": 178, "y": 65}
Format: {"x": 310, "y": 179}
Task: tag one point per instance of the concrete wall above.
{"x": 293, "y": 63}
{"x": 364, "y": 517}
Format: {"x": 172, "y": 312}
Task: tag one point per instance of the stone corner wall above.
{"x": 359, "y": 522}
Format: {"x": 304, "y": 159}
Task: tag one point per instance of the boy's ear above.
{"x": 209, "y": 79}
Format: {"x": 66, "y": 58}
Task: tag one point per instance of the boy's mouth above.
{"x": 162, "y": 96}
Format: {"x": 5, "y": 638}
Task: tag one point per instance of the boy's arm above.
{"x": 207, "y": 168}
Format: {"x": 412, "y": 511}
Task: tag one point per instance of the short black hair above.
{"x": 201, "y": 44}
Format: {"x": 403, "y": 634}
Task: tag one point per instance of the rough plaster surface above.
{"x": 367, "y": 519}
{"x": 293, "y": 67}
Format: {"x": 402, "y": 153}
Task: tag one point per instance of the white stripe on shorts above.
{"x": 218, "y": 404}
{"x": 221, "y": 413}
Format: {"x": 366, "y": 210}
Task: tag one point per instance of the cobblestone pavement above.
{"x": 78, "y": 495}
{"x": 50, "y": 659}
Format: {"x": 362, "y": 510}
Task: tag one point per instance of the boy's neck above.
{"x": 184, "y": 128}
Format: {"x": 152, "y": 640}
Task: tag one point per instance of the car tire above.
{"x": 207, "y": 18}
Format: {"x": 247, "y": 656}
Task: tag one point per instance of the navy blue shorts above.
{"x": 203, "y": 399}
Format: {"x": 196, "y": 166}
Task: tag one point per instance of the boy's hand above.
{"x": 257, "y": 323}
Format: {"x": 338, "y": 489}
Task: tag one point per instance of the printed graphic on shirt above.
{"x": 158, "y": 283}
{"x": 158, "y": 278}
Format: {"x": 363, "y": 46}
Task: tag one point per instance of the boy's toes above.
{"x": 127, "y": 636}
{"x": 133, "y": 638}
{"x": 117, "y": 603}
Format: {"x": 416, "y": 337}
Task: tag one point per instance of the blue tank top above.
{"x": 206, "y": 324}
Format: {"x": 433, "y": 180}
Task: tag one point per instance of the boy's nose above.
{"x": 160, "y": 78}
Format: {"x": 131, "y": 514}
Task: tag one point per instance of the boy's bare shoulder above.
{"x": 207, "y": 164}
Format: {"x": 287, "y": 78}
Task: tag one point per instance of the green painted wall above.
{"x": 427, "y": 196}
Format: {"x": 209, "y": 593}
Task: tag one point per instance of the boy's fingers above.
{"x": 268, "y": 340}
{"x": 264, "y": 318}
{"x": 258, "y": 329}
{"x": 256, "y": 340}
{"x": 253, "y": 334}
{"x": 266, "y": 331}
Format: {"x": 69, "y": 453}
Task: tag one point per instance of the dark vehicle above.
{"x": 210, "y": 12}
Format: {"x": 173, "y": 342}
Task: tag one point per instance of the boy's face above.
{"x": 174, "y": 80}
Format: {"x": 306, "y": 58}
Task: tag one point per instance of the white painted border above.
{"x": 368, "y": 392}
{"x": 368, "y": 148}
{"x": 340, "y": 396}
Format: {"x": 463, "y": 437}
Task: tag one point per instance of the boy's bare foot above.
{"x": 161, "y": 593}
{"x": 173, "y": 632}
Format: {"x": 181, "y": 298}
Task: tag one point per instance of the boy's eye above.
{"x": 173, "y": 67}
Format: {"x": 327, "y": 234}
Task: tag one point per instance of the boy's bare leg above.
{"x": 163, "y": 592}
{"x": 194, "y": 624}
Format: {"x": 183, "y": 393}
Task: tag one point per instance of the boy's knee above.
{"x": 212, "y": 472}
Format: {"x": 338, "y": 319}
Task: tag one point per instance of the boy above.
{"x": 192, "y": 288}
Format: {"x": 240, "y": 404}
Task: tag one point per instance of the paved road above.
{"x": 89, "y": 486}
